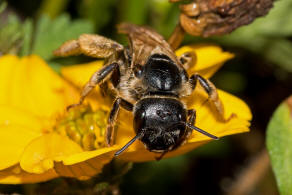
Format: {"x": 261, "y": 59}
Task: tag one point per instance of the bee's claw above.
{"x": 72, "y": 106}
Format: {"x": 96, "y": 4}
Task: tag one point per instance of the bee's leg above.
{"x": 104, "y": 88}
{"x": 90, "y": 45}
{"x": 95, "y": 79}
{"x": 113, "y": 116}
{"x": 212, "y": 92}
{"x": 188, "y": 59}
{"x": 158, "y": 158}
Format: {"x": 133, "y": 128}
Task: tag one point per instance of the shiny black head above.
{"x": 161, "y": 121}
{"x": 160, "y": 73}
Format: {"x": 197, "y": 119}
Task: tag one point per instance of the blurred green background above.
{"x": 260, "y": 74}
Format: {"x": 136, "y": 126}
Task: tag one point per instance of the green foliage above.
{"x": 50, "y": 34}
{"x": 165, "y": 16}
{"x": 98, "y": 12}
{"x": 277, "y": 22}
{"x": 26, "y": 38}
{"x": 10, "y": 34}
{"x": 279, "y": 143}
{"x": 12, "y": 31}
{"x": 279, "y": 52}
{"x": 135, "y": 11}
{"x": 52, "y": 8}
{"x": 43, "y": 38}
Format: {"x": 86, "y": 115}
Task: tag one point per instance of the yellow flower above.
{"x": 39, "y": 140}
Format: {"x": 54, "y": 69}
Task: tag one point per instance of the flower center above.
{"x": 84, "y": 126}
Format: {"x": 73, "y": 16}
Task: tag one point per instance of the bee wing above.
{"x": 144, "y": 42}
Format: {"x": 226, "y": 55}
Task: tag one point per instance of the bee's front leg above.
{"x": 95, "y": 79}
{"x": 110, "y": 131}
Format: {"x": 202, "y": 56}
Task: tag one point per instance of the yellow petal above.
{"x": 50, "y": 93}
{"x": 7, "y": 64}
{"x": 40, "y": 154}
{"x": 106, "y": 153}
{"x": 35, "y": 87}
{"x": 207, "y": 119}
{"x": 17, "y": 87}
{"x": 14, "y": 138}
{"x": 209, "y": 58}
{"x": 9, "y": 115}
{"x": 15, "y": 175}
{"x": 86, "y": 164}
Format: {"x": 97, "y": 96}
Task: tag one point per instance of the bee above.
{"x": 149, "y": 80}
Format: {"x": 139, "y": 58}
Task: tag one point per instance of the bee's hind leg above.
{"x": 95, "y": 79}
{"x": 110, "y": 131}
{"x": 210, "y": 88}
{"x": 91, "y": 45}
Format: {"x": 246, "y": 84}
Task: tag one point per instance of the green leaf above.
{"x": 27, "y": 29}
{"x": 277, "y": 22}
{"x": 50, "y": 34}
{"x": 279, "y": 144}
{"x": 10, "y": 35}
{"x": 279, "y": 52}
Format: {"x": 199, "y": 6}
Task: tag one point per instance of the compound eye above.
{"x": 138, "y": 70}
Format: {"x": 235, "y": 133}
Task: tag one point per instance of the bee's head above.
{"x": 160, "y": 121}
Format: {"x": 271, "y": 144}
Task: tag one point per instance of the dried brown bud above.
{"x": 218, "y": 17}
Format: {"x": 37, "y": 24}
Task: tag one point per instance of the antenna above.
{"x": 140, "y": 134}
{"x": 201, "y": 131}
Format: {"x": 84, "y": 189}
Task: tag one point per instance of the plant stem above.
{"x": 251, "y": 175}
